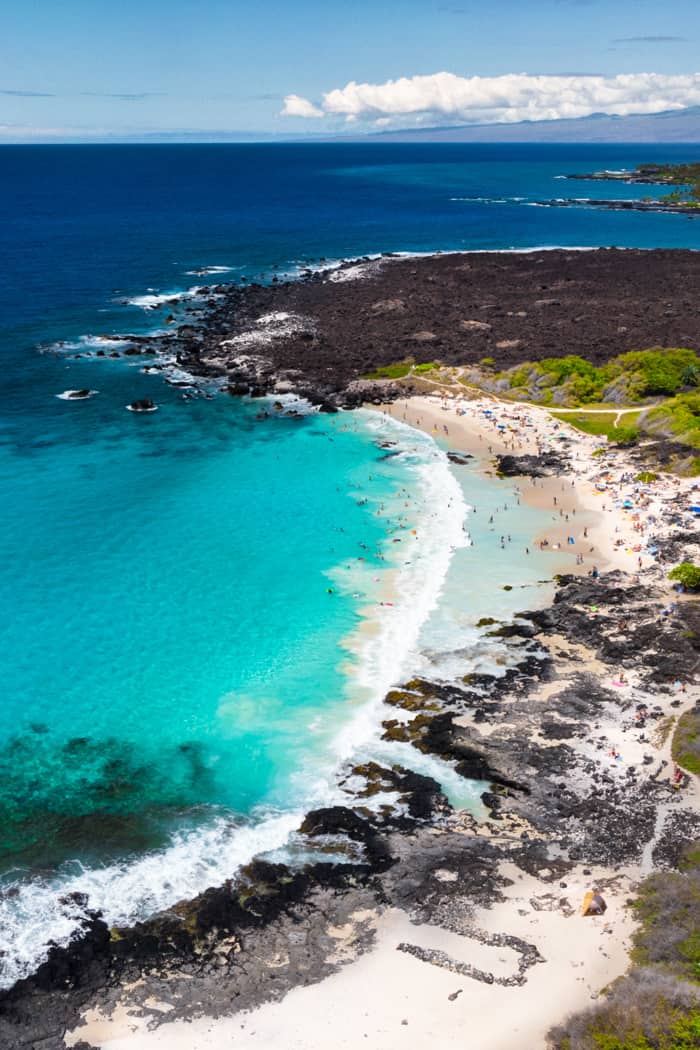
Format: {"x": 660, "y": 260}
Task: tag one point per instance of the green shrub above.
{"x": 646, "y": 1011}
{"x": 685, "y": 750}
{"x": 397, "y": 371}
{"x": 680, "y": 416}
{"x": 646, "y": 477}
{"x": 625, "y": 435}
{"x": 657, "y": 371}
{"x": 687, "y": 574}
{"x": 637, "y": 374}
{"x": 657, "y": 1005}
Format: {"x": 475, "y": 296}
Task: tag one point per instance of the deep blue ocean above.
{"x": 185, "y": 594}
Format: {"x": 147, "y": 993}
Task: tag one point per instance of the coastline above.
{"x": 421, "y": 988}
{"x": 440, "y": 884}
{"x": 472, "y": 432}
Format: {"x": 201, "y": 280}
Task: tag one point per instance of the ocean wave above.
{"x": 389, "y": 654}
{"x": 489, "y": 200}
{"x": 37, "y": 912}
{"x": 85, "y": 343}
{"x": 40, "y": 910}
{"x": 206, "y": 271}
{"x": 153, "y": 300}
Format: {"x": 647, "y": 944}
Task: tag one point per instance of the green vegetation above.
{"x": 602, "y": 424}
{"x": 631, "y": 377}
{"x": 680, "y": 416}
{"x": 397, "y": 371}
{"x": 687, "y": 574}
{"x": 659, "y": 387}
{"x": 646, "y": 477}
{"x": 686, "y": 175}
{"x": 626, "y": 435}
{"x": 685, "y": 749}
{"x": 657, "y": 1005}
{"x": 401, "y": 369}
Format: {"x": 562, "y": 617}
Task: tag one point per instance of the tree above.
{"x": 687, "y": 574}
{"x": 690, "y": 375}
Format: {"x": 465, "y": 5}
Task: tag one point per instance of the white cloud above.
{"x": 295, "y": 106}
{"x": 505, "y": 99}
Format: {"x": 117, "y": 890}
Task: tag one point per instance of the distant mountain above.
{"x": 672, "y": 126}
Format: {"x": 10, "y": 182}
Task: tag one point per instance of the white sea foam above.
{"x": 390, "y": 653}
{"x": 38, "y": 912}
{"x": 76, "y": 395}
{"x": 205, "y": 271}
{"x": 153, "y": 300}
{"x": 87, "y": 343}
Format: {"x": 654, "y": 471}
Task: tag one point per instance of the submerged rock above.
{"x": 76, "y": 395}
{"x": 144, "y": 404}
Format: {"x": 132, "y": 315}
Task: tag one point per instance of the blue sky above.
{"x": 98, "y": 68}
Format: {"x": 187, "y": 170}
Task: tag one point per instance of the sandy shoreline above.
{"x": 587, "y": 508}
{"x": 389, "y": 999}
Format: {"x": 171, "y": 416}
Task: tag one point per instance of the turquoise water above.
{"x": 183, "y": 594}
{"x": 170, "y": 625}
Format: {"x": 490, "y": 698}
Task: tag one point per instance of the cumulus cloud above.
{"x": 510, "y": 98}
{"x": 295, "y": 106}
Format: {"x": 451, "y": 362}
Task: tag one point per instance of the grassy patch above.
{"x": 602, "y": 424}
{"x": 685, "y": 747}
{"x": 401, "y": 369}
{"x": 397, "y": 371}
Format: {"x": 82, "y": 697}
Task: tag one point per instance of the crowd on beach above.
{"x": 636, "y": 508}
{"x": 604, "y": 512}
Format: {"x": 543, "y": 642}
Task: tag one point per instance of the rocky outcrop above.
{"x": 323, "y": 334}
{"x": 144, "y": 404}
{"x": 531, "y": 466}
